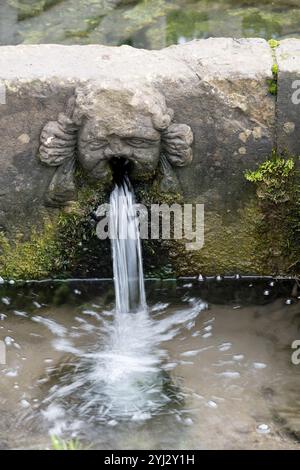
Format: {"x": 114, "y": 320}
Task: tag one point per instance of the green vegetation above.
{"x": 273, "y": 82}
{"x": 277, "y": 183}
{"x": 65, "y": 245}
{"x": 28, "y": 9}
{"x": 273, "y": 43}
{"x": 274, "y": 179}
{"x": 60, "y": 444}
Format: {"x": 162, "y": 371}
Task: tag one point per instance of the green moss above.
{"x": 64, "y": 246}
{"x": 273, "y": 82}
{"x": 170, "y": 258}
{"x": 91, "y": 25}
{"x": 274, "y": 179}
{"x": 273, "y": 43}
{"x": 31, "y": 259}
{"x": 277, "y": 183}
{"x": 29, "y": 9}
{"x": 61, "y": 444}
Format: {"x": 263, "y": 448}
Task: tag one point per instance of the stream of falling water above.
{"x": 126, "y": 374}
{"x": 126, "y": 251}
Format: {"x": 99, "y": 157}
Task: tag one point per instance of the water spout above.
{"x": 126, "y": 250}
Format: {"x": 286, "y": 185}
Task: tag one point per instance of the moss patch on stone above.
{"x": 65, "y": 245}
{"x": 33, "y": 8}
{"x": 230, "y": 246}
{"x": 273, "y": 82}
{"x": 277, "y": 183}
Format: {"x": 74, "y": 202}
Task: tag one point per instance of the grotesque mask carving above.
{"x": 107, "y": 121}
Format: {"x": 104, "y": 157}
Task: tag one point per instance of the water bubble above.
{"x": 191, "y": 353}
{"x": 212, "y": 404}
{"x": 8, "y": 341}
{"x": 208, "y": 328}
{"x": 288, "y": 302}
{"x": 112, "y": 422}
{"x": 12, "y": 373}
{"x": 224, "y": 347}
{"x": 237, "y": 276}
{"x": 266, "y": 292}
{"x": 25, "y": 403}
{"x": 272, "y": 283}
{"x": 188, "y": 422}
{"x": 206, "y": 335}
{"x": 201, "y": 278}
{"x": 238, "y": 357}
{"x": 263, "y": 429}
{"x": 77, "y": 292}
{"x": 259, "y": 365}
{"x": 20, "y": 314}
{"x": 219, "y": 278}
{"x": 230, "y": 374}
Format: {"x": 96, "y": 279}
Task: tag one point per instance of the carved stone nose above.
{"x": 118, "y": 150}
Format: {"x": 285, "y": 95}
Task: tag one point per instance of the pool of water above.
{"x": 145, "y": 24}
{"x": 209, "y": 367}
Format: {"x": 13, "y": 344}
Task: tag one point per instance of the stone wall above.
{"x": 218, "y": 87}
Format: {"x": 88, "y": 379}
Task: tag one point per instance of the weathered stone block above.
{"x": 217, "y": 87}
{"x": 288, "y": 99}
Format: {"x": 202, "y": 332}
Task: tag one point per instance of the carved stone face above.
{"x": 99, "y": 143}
{"x": 104, "y": 122}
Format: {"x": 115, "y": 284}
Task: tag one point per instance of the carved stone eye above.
{"x": 98, "y": 144}
{"x": 139, "y": 142}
